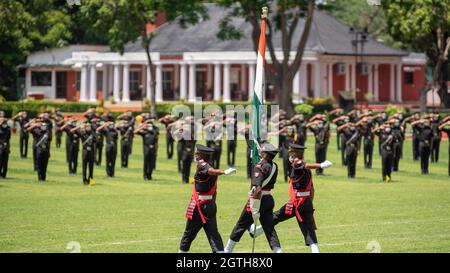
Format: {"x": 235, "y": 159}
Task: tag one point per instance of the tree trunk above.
{"x": 146, "y": 41}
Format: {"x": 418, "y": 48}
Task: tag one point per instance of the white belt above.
{"x": 205, "y": 197}
{"x": 303, "y": 194}
{"x": 265, "y": 192}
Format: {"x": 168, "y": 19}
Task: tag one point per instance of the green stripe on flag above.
{"x": 256, "y": 124}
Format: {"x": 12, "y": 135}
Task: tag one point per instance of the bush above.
{"x": 33, "y": 107}
{"x": 393, "y": 109}
{"x": 304, "y": 109}
{"x": 321, "y": 104}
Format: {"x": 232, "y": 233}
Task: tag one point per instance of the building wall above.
{"x": 384, "y": 83}
{"x": 411, "y": 92}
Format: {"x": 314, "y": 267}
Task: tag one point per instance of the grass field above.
{"x": 127, "y": 214}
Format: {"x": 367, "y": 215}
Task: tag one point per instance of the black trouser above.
{"x": 98, "y": 153}
{"x": 42, "y": 156}
{"x": 73, "y": 157}
{"x": 4, "y": 157}
{"x": 343, "y": 146}
{"x": 249, "y": 162}
{"x": 186, "y": 158}
{"x": 149, "y": 162}
{"x": 124, "y": 152}
{"x": 35, "y": 164}
{"x": 415, "y": 146}
{"x": 68, "y": 145}
{"x": 386, "y": 163}
{"x": 351, "y": 153}
{"x": 88, "y": 162}
{"x": 424, "y": 151}
{"x": 266, "y": 219}
{"x": 23, "y": 143}
{"x": 435, "y": 144}
{"x": 321, "y": 155}
{"x": 308, "y": 226}
{"x": 179, "y": 155}
{"x": 193, "y": 226}
{"x": 58, "y": 135}
{"x": 111, "y": 155}
{"x": 286, "y": 164}
{"x": 169, "y": 144}
{"x": 338, "y": 140}
{"x": 216, "y": 155}
{"x": 397, "y": 155}
{"x": 231, "y": 152}
{"x": 368, "y": 153}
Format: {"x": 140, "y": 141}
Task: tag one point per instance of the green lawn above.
{"x": 127, "y": 214}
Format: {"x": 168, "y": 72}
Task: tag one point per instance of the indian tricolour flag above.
{"x": 258, "y": 90}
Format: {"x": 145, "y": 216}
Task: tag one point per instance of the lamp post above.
{"x": 359, "y": 38}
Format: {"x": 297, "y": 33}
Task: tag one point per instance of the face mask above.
{"x": 352, "y": 128}
{"x": 111, "y": 127}
{"x": 4, "y": 125}
{"x": 24, "y": 115}
{"x": 388, "y": 130}
{"x": 291, "y": 159}
{"x": 88, "y": 129}
{"x": 320, "y": 126}
{"x": 346, "y": 120}
{"x": 45, "y": 116}
{"x": 44, "y": 128}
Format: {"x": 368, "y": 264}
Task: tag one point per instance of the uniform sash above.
{"x": 196, "y": 203}
{"x": 296, "y": 201}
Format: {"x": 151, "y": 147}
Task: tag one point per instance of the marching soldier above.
{"x": 436, "y": 138}
{"x": 130, "y": 120}
{"x": 87, "y": 135}
{"x": 398, "y": 134}
{"x": 380, "y": 119}
{"x": 301, "y": 193}
{"x": 72, "y": 145}
{"x": 415, "y": 134}
{"x": 149, "y": 133}
{"x": 386, "y": 150}
{"x": 231, "y": 127}
{"x": 445, "y": 127}
{"x": 214, "y": 141}
{"x": 167, "y": 120}
{"x": 425, "y": 136}
{"x": 58, "y": 117}
{"x": 187, "y": 149}
{"x": 22, "y": 119}
{"x": 201, "y": 212}
{"x": 321, "y": 132}
{"x": 33, "y": 145}
{"x": 366, "y": 126}
{"x": 42, "y": 134}
{"x": 5, "y": 136}
{"x": 173, "y": 128}
{"x": 340, "y": 121}
{"x": 111, "y": 135}
{"x": 352, "y": 136}
{"x": 126, "y": 131}
{"x": 334, "y": 116}
{"x": 96, "y": 123}
{"x": 261, "y": 203}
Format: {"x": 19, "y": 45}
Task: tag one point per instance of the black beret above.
{"x": 204, "y": 150}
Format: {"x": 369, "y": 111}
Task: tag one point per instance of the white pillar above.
{"x": 217, "y": 83}
{"x": 83, "y": 83}
{"x": 183, "y": 81}
{"x": 251, "y": 80}
{"x": 226, "y": 82}
{"x": 354, "y": 76}
{"x": 116, "y": 82}
{"x": 330, "y": 79}
{"x": 192, "y": 82}
{"x": 53, "y": 94}
{"x": 392, "y": 84}
{"x": 303, "y": 81}
{"x": 93, "y": 84}
{"x": 159, "y": 86}
{"x": 208, "y": 77}
{"x": 105, "y": 81}
{"x": 317, "y": 80}
{"x": 347, "y": 77}
{"x": 296, "y": 87}
{"x": 176, "y": 80}
{"x": 370, "y": 82}
{"x": 377, "y": 83}
{"x": 126, "y": 83}
{"x": 148, "y": 83}
{"x": 399, "y": 82}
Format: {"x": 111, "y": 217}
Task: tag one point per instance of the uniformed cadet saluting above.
{"x": 149, "y": 133}
{"x": 425, "y": 135}
{"x": 398, "y": 135}
{"x": 214, "y": 140}
{"x": 5, "y": 136}
{"x": 126, "y": 131}
{"x": 230, "y": 124}
{"x": 340, "y": 121}
{"x": 366, "y": 126}
{"x": 22, "y": 119}
{"x": 415, "y": 134}
{"x": 187, "y": 148}
{"x": 72, "y": 145}
{"x": 167, "y": 120}
{"x": 58, "y": 117}
{"x": 436, "y": 138}
{"x": 288, "y": 138}
{"x": 111, "y": 135}
{"x": 386, "y": 139}
{"x": 300, "y": 128}
{"x": 321, "y": 131}
{"x": 351, "y": 132}
{"x": 96, "y": 123}
{"x": 261, "y": 203}
{"x": 335, "y": 116}
{"x": 301, "y": 195}
{"x": 87, "y": 135}
{"x": 42, "y": 135}
{"x": 201, "y": 212}
{"x": 130, "y": 121}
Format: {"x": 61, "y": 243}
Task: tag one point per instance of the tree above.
{"x": 424, "y": 25}
{"x": 286, "y": 15}
{"x": 126, "y": 21}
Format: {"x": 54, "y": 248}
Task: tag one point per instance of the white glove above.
{"x": 255, "y": 204}
{"x": 326, "y": 164}
{"x": 229, "y": 171}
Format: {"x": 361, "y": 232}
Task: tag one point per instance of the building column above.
{"x": 251, "y": 80}
{"x": 53, "y": 94}
{"x": 159, "y": 86}
{"x": 317, "y": 80}
{"x": 116, "y": 90}
{"x": 83, "y": 83}
{"x": 296, "y": 88}
{"x": 93, "y": 83}
{"x": 370, "y": 82}
{"x": 192, "y": 82}
{"x": 126, "y": 83}
{"x": 217, "y": 82}
{"x": 354, "y": 87}
{"x": 399, "y": 82}
{"x": 303, "y": 81}
{"x": 347, "y": 77}
{"x": 148, "y": 83}
{"x": 330, "y": 79}
{"x": 176, "y": 80}
{"x": 105, "y": 82}
{"x": 376, "y": 83}
{"x": 392, "y": 84}
{"x": 226, "y": 82}
{"x": 183, "y": 81}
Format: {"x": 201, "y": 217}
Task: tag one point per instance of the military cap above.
{"x": 296, "y": 148}
{"x": 203, "y": 149}
{"x": 267, "y": 147}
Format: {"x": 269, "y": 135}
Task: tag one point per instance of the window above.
{"x": 409, "y": 77}
{"x": 167, "y": 81}
{"x": 77, "y": 81}
{"x": 100, "y": 80}
{"x": 340, "y": 69}
{"x": 41, "y": 78}
{"x": 363, "y": 68}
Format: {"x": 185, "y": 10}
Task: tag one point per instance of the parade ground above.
{"x": 128, "y": 214}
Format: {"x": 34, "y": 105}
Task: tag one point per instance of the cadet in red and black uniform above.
{"x": 261, "y": 203}
{"x": 301, "y": 193}
{"x": 202, "y": 209}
